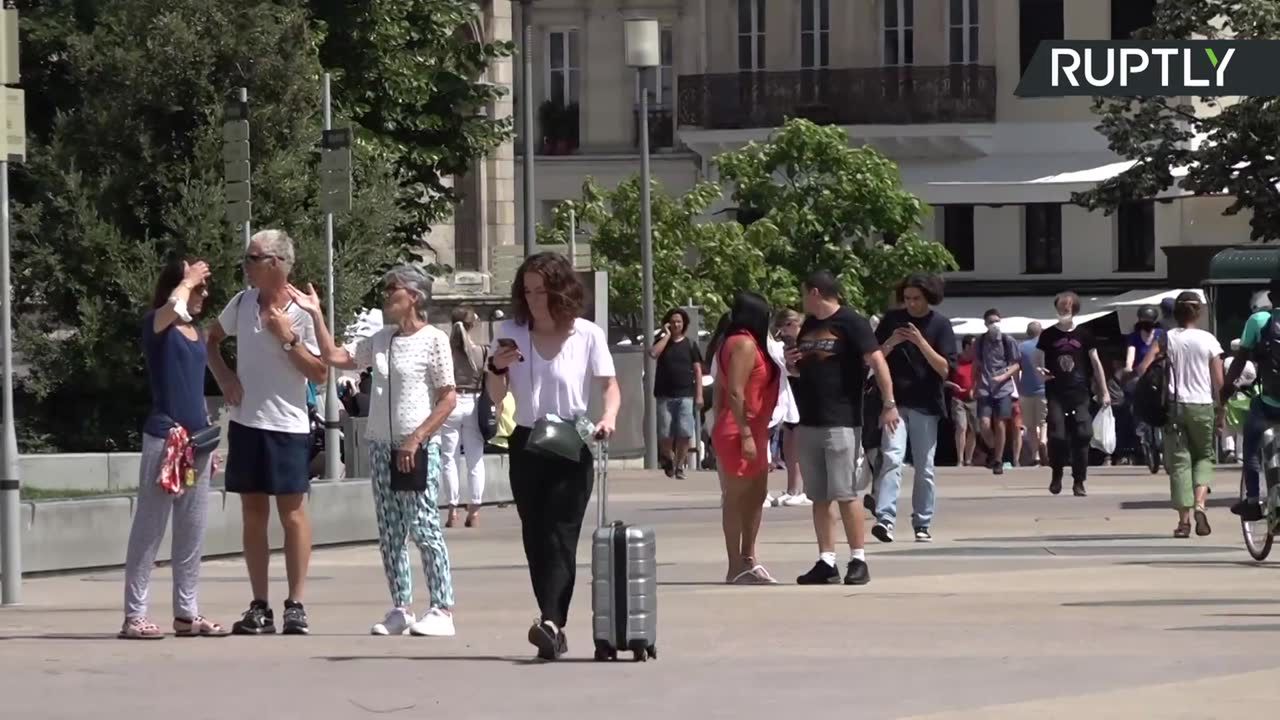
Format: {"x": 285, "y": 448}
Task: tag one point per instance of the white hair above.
{"x": 413, "y": 280}
{"x": 276, "y": 243}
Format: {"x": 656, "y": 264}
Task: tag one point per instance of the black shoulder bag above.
{"x": 486, "y": 413}
{"x": 416, "y": 479}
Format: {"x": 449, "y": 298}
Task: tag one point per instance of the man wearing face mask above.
{"x": 998, "y": 363}
{"x": 1067, "y": 358}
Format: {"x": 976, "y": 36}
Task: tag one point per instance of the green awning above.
{"x": 1246, "y": 264}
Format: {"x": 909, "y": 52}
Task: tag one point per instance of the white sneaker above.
{"x": 782, "y": 500}
{"x": 769, "y": 501}
{"x": 397, "y": 622}
{"x": 800, "y": 500}
{"x": 436, "y": 623}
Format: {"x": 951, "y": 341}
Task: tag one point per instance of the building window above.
{"x": 1128, "y": 16}
{"x": 815, "y": 34}
{"x": 899, "y": 36}
{"x": 1136, "y": 237}
{"x": 1044, "y": 239}
{"x": 962, "y": 31}
{"x": 1038, "y": 21}
{"x": 957, "y": 234}
{"x": 751, "y": 34}
{"x": 563, "y": 67}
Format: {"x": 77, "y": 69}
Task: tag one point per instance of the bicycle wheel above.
{"x": 1257, "y": 534}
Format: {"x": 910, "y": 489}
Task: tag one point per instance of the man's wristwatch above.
{"x": 890, "y": 405}
{"x": 289, "y": 346}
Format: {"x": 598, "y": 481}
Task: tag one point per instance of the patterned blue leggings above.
{"x": 403, "y": 513}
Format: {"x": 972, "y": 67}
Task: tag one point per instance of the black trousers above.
{"x": 551, "y": 496}
{"x": 1070, "y": 431}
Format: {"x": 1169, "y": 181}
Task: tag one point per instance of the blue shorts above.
{"x": 267, "y": 462}
{"x": 675, "y": 418}
{"x": 996, "y": 408}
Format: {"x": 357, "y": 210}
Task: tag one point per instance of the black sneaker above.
{"x": 257, "y": 620}
{"x": 857, "y": 574}
{"x": 923, "y": 536}
{"x": 562, "y": 644}
{"x": 883, "y": 533}
{"x": 820, "y": 574}
{"x": 668, "y": 468}
{"x": 1249, "y": 510}
{"x": 997, "y": 469}
{"x": 1077, "y": 489}
{"x": 1055, "y": 483}
{"x": 544, "y": 636}
{"x": 295, "y": 619}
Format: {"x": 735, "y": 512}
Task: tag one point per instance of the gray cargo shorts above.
{"x": 828, "y": 461}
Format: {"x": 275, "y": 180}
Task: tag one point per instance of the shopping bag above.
{"x": 1238, "y": 409}
{"x": 1104, "y": 431}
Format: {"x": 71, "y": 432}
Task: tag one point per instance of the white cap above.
{"x": 1261, "y": 301}
{"x": 1235, "y": 345}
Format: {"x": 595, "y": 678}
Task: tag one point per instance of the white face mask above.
{"x": 993, "y": 331}
{"x": 1066, "y": 321}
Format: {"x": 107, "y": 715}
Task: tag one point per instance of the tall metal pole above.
{"x": 646, "y": 265}
{"x": 332, "y": 434}
{"x": 526, "y": 114}
{"x": 10, "y": 515}
{"x": 573, "y": 239}
{"x": 244, "y": 229}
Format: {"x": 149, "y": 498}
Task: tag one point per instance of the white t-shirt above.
{"x": 275, "y": 392}
{"x": 559, "y": 386}
{"x": 1190, "y": 351}
{"x": 419, "y": 365}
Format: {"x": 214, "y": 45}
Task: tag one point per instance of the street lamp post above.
{"x": 642, "y": 46}
{"x": 526, "y": 117}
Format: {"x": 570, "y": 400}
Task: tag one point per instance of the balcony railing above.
{"x": 852, "y": 96}
{"x": 662, "y": 131}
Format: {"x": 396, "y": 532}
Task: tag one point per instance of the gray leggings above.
{"x": 150, "y": 517}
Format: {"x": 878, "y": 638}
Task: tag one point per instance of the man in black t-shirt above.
{"x": 921, "y": 351}
{"x": 833, "y": 350}
{"x": 677, "y": 385}
{"x": 1067, "y": 358}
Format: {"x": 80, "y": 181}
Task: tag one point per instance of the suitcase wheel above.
{"x": 653, "y": 651}
{"x": 603, "y": 654}
{"x": 641, "y": 655}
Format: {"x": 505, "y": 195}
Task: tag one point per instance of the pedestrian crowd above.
{"x": 844, "y": 403}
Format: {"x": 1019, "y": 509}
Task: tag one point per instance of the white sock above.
{"x": 828, "y": 558}
{"x": 858, "y": 554}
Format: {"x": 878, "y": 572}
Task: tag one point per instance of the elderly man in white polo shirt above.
{"x": 269, "y": 436}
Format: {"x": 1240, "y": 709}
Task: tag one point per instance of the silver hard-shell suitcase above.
{"x": 624, "y": 580}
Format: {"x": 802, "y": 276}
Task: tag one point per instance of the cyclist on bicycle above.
{"x": 1146, "y": 335}
{"x": 1260, "y": 342}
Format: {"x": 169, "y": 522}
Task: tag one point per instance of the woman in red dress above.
{"x": 746, "y": 391}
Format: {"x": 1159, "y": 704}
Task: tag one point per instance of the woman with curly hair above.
{"x": 546, "y": 357}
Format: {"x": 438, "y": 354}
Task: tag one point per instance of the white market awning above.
{"x": 1015, "y": 179}
{"x": 1137, "y": 298}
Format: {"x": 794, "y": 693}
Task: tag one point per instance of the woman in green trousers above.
{"x": 1195, "y": 381}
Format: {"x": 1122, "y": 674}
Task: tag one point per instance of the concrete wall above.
{"x": 74, "y": 534}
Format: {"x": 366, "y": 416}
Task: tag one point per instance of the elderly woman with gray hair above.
{"x": 413, "y": 394}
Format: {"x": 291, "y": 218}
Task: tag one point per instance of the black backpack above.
{"x": 1151, "y": 397}
{"x": 1267, "y": 356}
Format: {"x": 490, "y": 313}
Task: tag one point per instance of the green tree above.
{"x": 812, "y": 202}
{"x": 125, "y": 167}
{"x": 1230, "y": 149}
{"x": 692, "y": 259}
{"x": 409, "y": 73}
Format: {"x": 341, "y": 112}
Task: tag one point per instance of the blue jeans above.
{"x": 922, "y": 429}
{"x": 1261, "y": 416}
{"x": 675, "y": 418}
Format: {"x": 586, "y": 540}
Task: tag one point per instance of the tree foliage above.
{"x": 409, "y": 73}
{"x": 1231, "y": 150}
{"x": 125, "y": 166}
{"x": 706, "y": 262}
{"x": 815, "y": 203}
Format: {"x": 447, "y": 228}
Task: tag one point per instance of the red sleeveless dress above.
{"x": 760, "y": 397}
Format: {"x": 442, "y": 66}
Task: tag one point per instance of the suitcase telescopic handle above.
{"x": 602, "y": 480}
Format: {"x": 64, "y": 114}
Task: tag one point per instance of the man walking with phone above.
{"x": 998, "y": 364}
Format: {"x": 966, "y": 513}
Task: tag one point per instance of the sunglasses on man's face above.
{"x": 257, "y": 258}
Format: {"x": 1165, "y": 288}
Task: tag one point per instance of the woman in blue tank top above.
{"x": 170, "y": 479}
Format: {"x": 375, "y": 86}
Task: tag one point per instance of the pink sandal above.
{"x": 140, "y": 628}
{"x": 198, "y": 627}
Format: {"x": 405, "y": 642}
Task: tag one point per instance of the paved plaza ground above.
{"x": 1025, "y": 606}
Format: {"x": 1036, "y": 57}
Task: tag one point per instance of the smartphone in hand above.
{"x": 509, "y": 344}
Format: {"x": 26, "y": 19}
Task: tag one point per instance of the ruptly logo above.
{"x": 1130, "y": 68}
